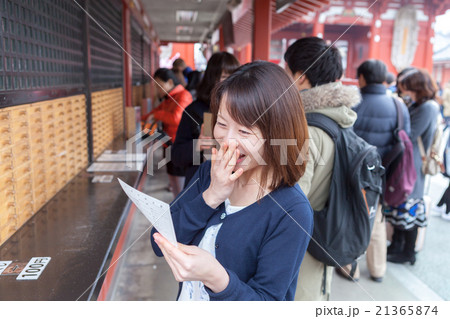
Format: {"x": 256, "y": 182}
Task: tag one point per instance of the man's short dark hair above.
{"x": 373, "y": 71}
{"x": 321, "y": 63}
{"x": 390, "y": 78}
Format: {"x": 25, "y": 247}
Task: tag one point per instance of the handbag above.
{"x": 431, "y": 162}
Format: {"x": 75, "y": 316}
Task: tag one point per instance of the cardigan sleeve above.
{"x": 279, "y": 260}
{"x": 190, "y": 213}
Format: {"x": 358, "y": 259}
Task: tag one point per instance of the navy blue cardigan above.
{"x": 261, "y": 247}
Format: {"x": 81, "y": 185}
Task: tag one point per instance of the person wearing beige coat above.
{"x": 318, "y": 80}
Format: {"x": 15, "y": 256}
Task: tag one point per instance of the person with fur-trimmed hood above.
{"x": 317, "y": 69}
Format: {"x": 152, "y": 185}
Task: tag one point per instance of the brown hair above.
{"x": 420, "y": 82}
{"x": 261, "y": 94}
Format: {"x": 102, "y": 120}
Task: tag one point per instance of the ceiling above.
{"x": 184, "y": 20}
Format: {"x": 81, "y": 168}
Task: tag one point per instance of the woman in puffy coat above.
{"x": 175, "y": 99}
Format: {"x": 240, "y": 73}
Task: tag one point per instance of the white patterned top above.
{"x": 195, "y": 290}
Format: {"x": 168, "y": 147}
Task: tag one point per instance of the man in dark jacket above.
{"x": 377, "y": 120}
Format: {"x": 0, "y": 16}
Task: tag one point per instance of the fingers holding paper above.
{"x": 191, "y": 263}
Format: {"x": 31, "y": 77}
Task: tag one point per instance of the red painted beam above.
{"x": 262, "y": 29}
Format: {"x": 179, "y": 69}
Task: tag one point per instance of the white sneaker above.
{"x": 445, "y": 216}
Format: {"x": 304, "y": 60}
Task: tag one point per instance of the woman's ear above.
{"x": 170, "y": 82}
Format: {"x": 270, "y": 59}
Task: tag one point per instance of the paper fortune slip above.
{"x": 156, "y": 211}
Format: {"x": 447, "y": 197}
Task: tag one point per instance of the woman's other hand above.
{"x": 190, "y": 263}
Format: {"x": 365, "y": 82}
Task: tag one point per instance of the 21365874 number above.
{"x": 406, "y": 310}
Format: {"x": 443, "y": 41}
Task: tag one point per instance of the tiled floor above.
{"x": 143, "y": 276}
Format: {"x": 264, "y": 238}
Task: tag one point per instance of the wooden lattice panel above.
{"x": 107, "y": 118}
{"x": 42, "y": 146}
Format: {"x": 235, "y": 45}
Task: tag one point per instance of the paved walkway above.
{"x": 143, "y": 276}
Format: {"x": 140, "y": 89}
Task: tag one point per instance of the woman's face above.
{"x": 162, "y": 88}
{"x": 250, "y": 140}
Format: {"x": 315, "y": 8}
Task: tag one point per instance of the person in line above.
{"x": 418, "y": 88}
{"x": 169, "y": 112}
{"x": 219, "y": 67}
{"x": 243, "y": 223}
{"x": 376, "y": 122}
{"x": 389, "y": 83}
{"x": 322, "y": 92}
{"x": 181, "y": 71}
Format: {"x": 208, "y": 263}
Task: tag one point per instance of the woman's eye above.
{"x": 221, "y": 124}
{"x": 245, "y": 132}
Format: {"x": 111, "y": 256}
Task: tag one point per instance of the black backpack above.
{"x": 342, "y": 229}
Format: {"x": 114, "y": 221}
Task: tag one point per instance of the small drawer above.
{"x": 25, "y": 206}
{"x": 48, "y": 108}
{"x": 35, "y": 122}
{"x": 23, "y": 186}
{"x": 37, "y": 151}
{"x": 48, "y": 117}
{"x": 7, "y": 206}
{"x": 21, "y": 171}
{"x": 39, "y": 190}
{"x": 8, "y": 215}
{"x": 7, "y": 180}
{"x": 19, "y": 113}
{"x": 19, "y": 136}
{"x": 35, "y": 111}
{"x": 37, "y": 134}
{"x": 5, "y": 138}
{"x": 51, "y": 170}
{"x": 19, "y": 148}
{"x": 6, "y": 168}
{"x": 39, "y": 176}
{"x": 7, "y": 194}
{"x": 19, "y": 126}
{"x": 38, "y": 162}
{"x": 5, "y": 118}
{"x": 50, "y": 126}
{"x": 49, "y": 136}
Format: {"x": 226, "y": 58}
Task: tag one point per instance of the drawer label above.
{"x": 4, "y": 264}
{"x": 34, "y": 268}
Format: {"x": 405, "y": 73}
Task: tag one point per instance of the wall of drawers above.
{"x": 42, "y": 146}
{"x": 107, "y": 118}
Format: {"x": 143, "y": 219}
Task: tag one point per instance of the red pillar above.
{"x": 374, "y": 41}
{"x": 127, "y": 67}
{"x": 318, "y": 28}
{"x": 428, "y": 56}
{"x": 262, "y": 29}
{"x": 221, "y": 40}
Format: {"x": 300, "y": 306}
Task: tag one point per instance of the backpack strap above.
{"x": 324, "y": 123}
{"x": 400, "y": 124}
